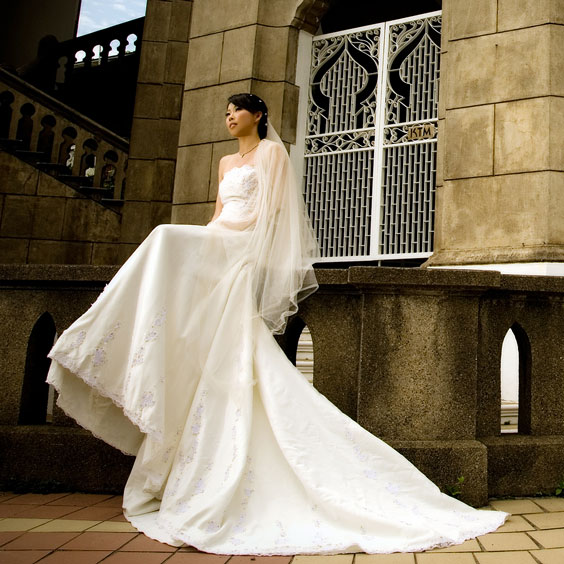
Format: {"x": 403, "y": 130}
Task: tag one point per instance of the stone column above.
{"x": 235, "y": 46}
{"x": 500, "y": 194}
{"x": 156, "y": 120}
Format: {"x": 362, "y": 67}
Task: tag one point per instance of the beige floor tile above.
{"x": 15, "y": 524}
{"x": 516, "y": 506}
{"x": 515, "y": 524}
{"x": 547, "y": 520}
{"x": 335, "y": 559}
{"x": 434, "y": 558}
{"x": 549, "y": 539}
{"x": 507, "y": 541}
{"x": 467, "y": 546}
{"x": 551, "y": 503}
{"x": 384, "y": 559}
{"x": 114, "y": 527}
{"x": 65, "y": 526}
{"x": 505, "y": 558}
{"x": 551, "y": 556}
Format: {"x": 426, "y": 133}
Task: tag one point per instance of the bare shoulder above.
{"x": 225, "y": 163}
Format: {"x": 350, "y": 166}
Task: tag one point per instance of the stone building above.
{"x": 413, "y": 353}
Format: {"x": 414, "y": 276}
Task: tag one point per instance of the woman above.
{"x": 235, "y": 452}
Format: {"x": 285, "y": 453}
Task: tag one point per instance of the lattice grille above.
{"x": 369, "y": 154}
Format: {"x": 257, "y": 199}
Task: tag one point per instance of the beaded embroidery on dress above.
{"x": 236, "y": 453}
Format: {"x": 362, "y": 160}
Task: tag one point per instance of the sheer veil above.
{"x": 282, "y": 243}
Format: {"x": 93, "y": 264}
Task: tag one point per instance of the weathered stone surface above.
{"x": 192, "y": 214}
{"x": 204, "y": 61}
{"x": 49, "y": 186}
{"x": 13, "y": 250}
{"x": 238, "y": 53}
{"x": 514, "y": 14}
{"x": 87, "y": 221}
{"x": 176, "y": 60}
{"x": 48, "y": 218}
{"x": 141, "y": 179}
{"x": 144, "y": 138}
{"x": 17, "y": 216}
{"x": 521, "y": 140}
{"x": 193, "y": 174}
{"x": 164, "y": 181}
{"x": 271, "y": 53}
{"x": 522, "y": 466}
{"x": 59, "y": 252}
{"x": 157, "y": 20}
{"x": 152, "y": 65}
{"x": 148, "y": 101}
{"x": 136, "y": 222}
{"x": 111, "y": 253}
{"x": 211, "y": 17}
{"x": 277, "y": 12}
{"x": 179, "y": 27}
{"x": 17, "y": 177}
{"x": 467, "y": 19}
{"x": 469, "y": 136}
{"x": 171, "y": 101}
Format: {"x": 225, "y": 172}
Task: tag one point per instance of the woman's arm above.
{"x": 218, "y": 202}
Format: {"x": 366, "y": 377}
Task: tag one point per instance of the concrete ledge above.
{"x": 524, "y": 465}
{"x": 443, "y": 462}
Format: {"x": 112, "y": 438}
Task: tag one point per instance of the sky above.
{"x": 99, "y": 14}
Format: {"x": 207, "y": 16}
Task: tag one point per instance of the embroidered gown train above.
{"x": 236, "y": 453}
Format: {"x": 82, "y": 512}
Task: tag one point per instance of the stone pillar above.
{"x": 235, "y": 46}
{"x": 500, "y": 193}
{"x": 156, "y": 121}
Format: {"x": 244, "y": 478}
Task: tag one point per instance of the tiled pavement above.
{"x": 87, "y": 529}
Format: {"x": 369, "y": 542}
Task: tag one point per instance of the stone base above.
{"x": 524, "y": 465}
{"x": 443, "y": 462}
{"x": 45, "y": 458}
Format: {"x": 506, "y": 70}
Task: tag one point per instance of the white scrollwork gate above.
{"x": 370, "y": 145}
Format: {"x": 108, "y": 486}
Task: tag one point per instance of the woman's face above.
{"x": 241, "y": 122}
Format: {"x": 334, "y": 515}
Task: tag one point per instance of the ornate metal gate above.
{"x": 370, "y": 146}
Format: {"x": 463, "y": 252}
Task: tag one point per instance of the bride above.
{"x": 236, "y": 453}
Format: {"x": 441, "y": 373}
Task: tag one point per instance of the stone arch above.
{"x": 519, "y": 368}
{"x": 309, "y": 13}
{"x": 35, "y": 390}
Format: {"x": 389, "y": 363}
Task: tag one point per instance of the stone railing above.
{"x": 47, "y": 133}
{"x": 413, "y": 355}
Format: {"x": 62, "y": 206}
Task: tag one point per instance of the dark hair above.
{"x": 252, "y": 104}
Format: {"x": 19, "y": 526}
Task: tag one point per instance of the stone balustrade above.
{"x": 413, "y": 355}
{"x": 40, "y": 128}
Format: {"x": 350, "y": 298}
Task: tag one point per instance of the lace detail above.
{"x": 237, "y": 191}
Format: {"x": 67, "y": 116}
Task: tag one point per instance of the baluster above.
{"x": 67, "y": 148}
{"x": 46, "y": 136}
{"x": 25, "y": 125}
{"x": 6, "y": 100}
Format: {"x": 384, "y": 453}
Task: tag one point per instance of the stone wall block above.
{"x": 153, "y": 62}
{"x": 219, "y": 15}
{"x": 522, "y": 139}
{"x": 14, "y": 172}
{"x": 13, "y": 250}
{"x": 516, "y": 14}
{"x": 88, "y": 221}
{"x": 59, "y": 252}
{"x": 204, "y": 61}
{"x": 17, "y": 216}
{"x": 50, "y": 186}
{"x": 140, "y": 179}
{"x": 166, "y": 139}
{"x": 238, "y": 53}
{"x": 171, "y": 101}
{"x": 555, "y": 212}
{"x": 48, "y": 218}
{"x": 164, "y": 181}
{"x": 276, "y": 12}
{"x": 145, "y": 135}
{"x": 192, "y": 214}
{"x": 271, "y": 52}
{"x": 557, "y": 59}
{"x": 148, "y": 101}
{"x": 160, "y": 213}
{"x": 467, "y": 19}
{"x": 193, "y": 174}
{"x": 179, "y": 27}
{"x": 157, "y": 20}
{"x": 471, "y": 73}
{"x": 469, "y": 138}
{"x": 203, "y": 113}
{"x": 176, "y": 60}
{"x": 136, "y": 221}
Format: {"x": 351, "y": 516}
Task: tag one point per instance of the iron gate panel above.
{"x": 370, "y": 146}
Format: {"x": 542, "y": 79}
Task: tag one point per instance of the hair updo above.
{"x": 253, "y": 104}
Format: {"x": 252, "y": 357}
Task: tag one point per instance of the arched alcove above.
{"x": 35, "y": 390}
{"x": 304, "y": 354}
{"x": 297, "y": 344}
{"x": 515, "y": 381}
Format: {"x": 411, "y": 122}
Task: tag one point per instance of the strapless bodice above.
{"x": 237, "y": 191}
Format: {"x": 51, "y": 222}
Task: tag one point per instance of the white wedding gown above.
{"x": 236, "y": 452}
